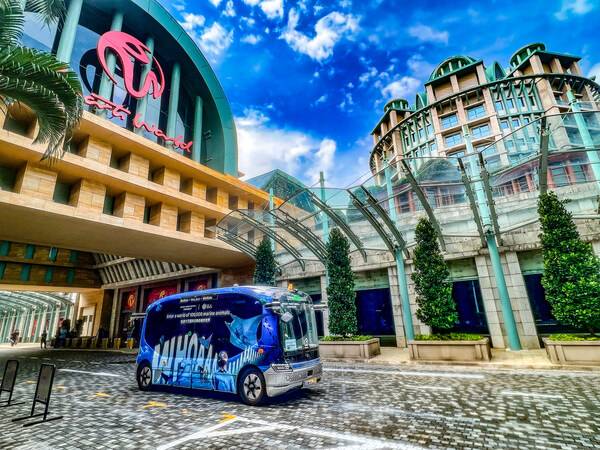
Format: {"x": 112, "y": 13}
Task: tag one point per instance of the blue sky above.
{"x": 307, "y": 79}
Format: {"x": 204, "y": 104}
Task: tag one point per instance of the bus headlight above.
{"x": 281, "y": 367}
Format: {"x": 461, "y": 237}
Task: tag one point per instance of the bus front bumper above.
{"x": 279, "y": 382}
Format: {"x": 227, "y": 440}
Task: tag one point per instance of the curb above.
{"x": 466, "y": 364}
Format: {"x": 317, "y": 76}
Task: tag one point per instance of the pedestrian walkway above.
{"x": 6, "y": 345}
{"x": 501, "y": 359}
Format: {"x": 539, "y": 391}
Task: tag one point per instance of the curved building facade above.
{"x": 128, "y": 214}
{"x": 467, "y": 106}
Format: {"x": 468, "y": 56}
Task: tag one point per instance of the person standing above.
{"x": 43, "y": 339}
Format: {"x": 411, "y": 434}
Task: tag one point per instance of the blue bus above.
{"x": 255, "y": 341}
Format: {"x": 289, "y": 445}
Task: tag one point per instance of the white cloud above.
{"x": 191, "y": 21}
{"x": 574, "y": 7}
{"x": 263, "y": 147}
{"x": 425, "y": 33}
{"x": 365, "y": 77}
{"x": 214, "y": 41}
{"x": 229, "y": 9}
{"x": 216, "y": 3}
{"x": 252, "y": 39}
{"x": 419, "y": 67}
{"x": 321, "y": 99}
{"x": 329, "y": 30}
{"x": 348, "y": 102}
{"x": 405, "y": 87}
{"x": 595, "y": 71}
{"x": 273, "y": 9}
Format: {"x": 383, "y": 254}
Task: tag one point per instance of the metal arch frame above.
{"x": 472, "y": 202}
{"x": 340, "y": 223}
{"x": 485, "y": 178}
{"x": 373, "y": 221}
{"x": 239, "y": 243}
{"x": 386, "y": 218}
{"x": 266, "y": 230}
{"x": 34, "y": 299}
{"x": 423, "y": 199}
{"x": 311, "y": 241}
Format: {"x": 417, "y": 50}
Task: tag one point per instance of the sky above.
{"x": 307, "y": 80}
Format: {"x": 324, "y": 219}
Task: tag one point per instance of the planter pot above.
{"x": 349, "y": 349}
{"x": 573, "y": 352}
{"x": 450, "y": 350}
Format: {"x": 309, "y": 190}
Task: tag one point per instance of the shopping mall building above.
{"x": 472, "y": 153}
{"x": 129, "y": 214}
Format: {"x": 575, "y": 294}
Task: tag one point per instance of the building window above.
{"x": 522, "y": 102}
{"x": 559, "y": 176}
{"x": 429, "y": 130}
{"x": 453, "y": 139}
{"x": 532, "y": 102}
{"x": 516, "y": 123}
{"x": 476, "y": 112}
{"x": 109, "y": 205}
{"x": 433, "y": 147}
{"x": 504, "y": 125}
{"x": 499, "y": 106}
{"x": 62, "y": 193}
{"x": 449, "y": 121}
{"x": 480, "y": 131}
{"x": 509, "y": 144}
{"x": 510, "y": 104}
{"x": 421, "y": 133}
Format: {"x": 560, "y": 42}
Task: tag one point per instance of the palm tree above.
{"x": 37, "y": 79}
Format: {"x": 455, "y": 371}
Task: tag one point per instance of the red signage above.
{"x": 129, "y": 51}
{"x": 159, "y": 292}
{"x": 128, "y": 301}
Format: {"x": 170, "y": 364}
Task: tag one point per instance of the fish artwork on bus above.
{"x": 191, "y": 360}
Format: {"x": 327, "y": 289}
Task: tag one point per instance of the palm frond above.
{"x": 49, "y": 87}
{"x": 50, "y": 11}
{"x": 11, "y": 22}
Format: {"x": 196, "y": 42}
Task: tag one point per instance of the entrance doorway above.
{"x": 374, "y": 313}
{"x": 469, "y": 304}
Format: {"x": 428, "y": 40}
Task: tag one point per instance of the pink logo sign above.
{"x": 128, "y": 51}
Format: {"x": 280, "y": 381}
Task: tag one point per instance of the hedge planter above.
{"x": 464, "y": 351}
{"x": 586, "y": 353}
{"x": 349, "y": 349}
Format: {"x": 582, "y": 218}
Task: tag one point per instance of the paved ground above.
{"x": 357, "y": 406}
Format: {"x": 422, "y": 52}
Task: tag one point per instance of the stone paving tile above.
{"x": 357, "y": 406}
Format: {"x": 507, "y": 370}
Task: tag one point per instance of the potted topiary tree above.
{"x": 344, "y": 342}
{"x": 266, "y": 267}
{"x": 571, "y": 281}
{"x": 436, "y": 307}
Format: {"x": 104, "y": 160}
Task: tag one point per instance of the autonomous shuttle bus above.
{"x": 253, "y": 341}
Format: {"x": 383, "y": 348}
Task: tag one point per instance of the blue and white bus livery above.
{"x": 254, "y": 341}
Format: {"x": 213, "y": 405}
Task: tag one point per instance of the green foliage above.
{"x": 572, "y": 337}
{"x": 449, "y": 337}
{"x": 340, "y": 291}
{"x": 571, "y": 270}
{"x": 37, "y": 79}
{"x": 436, "y": 307}
{"x": 266, "y": 267}
{"x": 357, "y": 338}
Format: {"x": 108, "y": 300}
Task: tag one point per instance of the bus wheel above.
{"x": 252, "y": 386}
{"x": 144, "y": 376}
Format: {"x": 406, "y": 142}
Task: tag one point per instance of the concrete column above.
{"x": 67, "y": 37}
{"x": 198, "y": 114}
{"x": 396, "y": 307}
{"x": 142, "y": 104}
{"x": 113, "y": 314}
{"x": 106, "y": 84}
{"x": 174, "y": 99}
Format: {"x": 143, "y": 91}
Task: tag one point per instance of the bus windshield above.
{"x": 299, "y": 326}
